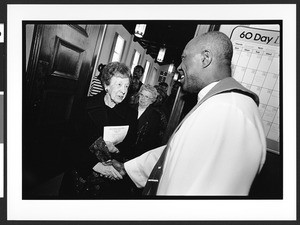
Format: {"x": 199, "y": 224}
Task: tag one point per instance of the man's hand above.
{"x": 107, "y": 171}
{"x": 111, "y": 147}
{"x": 119, "y": 167}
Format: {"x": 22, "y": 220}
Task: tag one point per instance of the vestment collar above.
{"x": 206, "y": 89}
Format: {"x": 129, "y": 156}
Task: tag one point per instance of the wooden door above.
{"x": 60, "y": 67}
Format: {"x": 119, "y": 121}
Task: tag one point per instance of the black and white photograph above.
{"x": 93, "y": 103}
{"x": 151, "y": 108}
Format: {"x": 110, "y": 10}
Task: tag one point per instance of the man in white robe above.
{"x": 220, "y": 146}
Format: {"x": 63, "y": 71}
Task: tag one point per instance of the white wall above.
{"x": 227, "y": 29}
{"x": 130, "y": 47}
{"x": 152, "y": 77}
{"x": 29, "y": 35}
{"x": 201, "y": 29}
{"x": 151, "y": 60}
{"x": 266, "y": 26}
{"x": 108, "y": 40}
{"x": 134, "y": 46}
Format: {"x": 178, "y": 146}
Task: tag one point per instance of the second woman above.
{"x": 148, "y": 121}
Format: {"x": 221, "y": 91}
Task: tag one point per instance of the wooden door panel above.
{"x": 59, "y": 71}
{"x": 64, "y": 63}
{"x": 82, "y": 28}
{"x": 67, "y": 59}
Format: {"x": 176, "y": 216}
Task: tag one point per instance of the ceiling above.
{"x": 173, "y": 34}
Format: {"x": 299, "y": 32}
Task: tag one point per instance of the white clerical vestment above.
{"x": 218, "y": 150}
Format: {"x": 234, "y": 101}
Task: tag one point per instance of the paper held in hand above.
{"x": 115, "y": 134}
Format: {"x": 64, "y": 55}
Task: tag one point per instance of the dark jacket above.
{"x": 96, "y": 116}
{"x": 148, "y": 131}
{"x": 80, "y": 181}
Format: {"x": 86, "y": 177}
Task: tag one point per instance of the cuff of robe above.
{"x": 139, "y": 168}
{"x": 135, "y": 174}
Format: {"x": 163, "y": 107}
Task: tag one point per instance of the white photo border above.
{"x": 18, "y": 209}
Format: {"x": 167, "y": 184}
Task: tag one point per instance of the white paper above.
{"x": 115, "y": 134}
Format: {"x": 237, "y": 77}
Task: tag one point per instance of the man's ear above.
{"x": 206, "y": 58}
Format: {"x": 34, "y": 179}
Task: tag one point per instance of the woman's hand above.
{"x": 108, "y": 171}
{"x": 111, "y": 147}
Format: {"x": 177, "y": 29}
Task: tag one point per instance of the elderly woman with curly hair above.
{"x": 148, "y": 120}
{"x": 92, "y": 175}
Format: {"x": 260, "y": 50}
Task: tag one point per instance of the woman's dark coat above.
{"x": 148, "y": 131}
{"x": 77, "y": 182}
{"x": 96, "y": 117}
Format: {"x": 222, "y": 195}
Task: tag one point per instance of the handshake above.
{"x": 107, "y": 166}
{"x": 111, "y": 169}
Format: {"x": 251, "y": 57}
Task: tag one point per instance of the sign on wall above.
{"x": 255, "y": 65}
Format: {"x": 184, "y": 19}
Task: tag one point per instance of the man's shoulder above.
{"x": 233, "y": 99}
